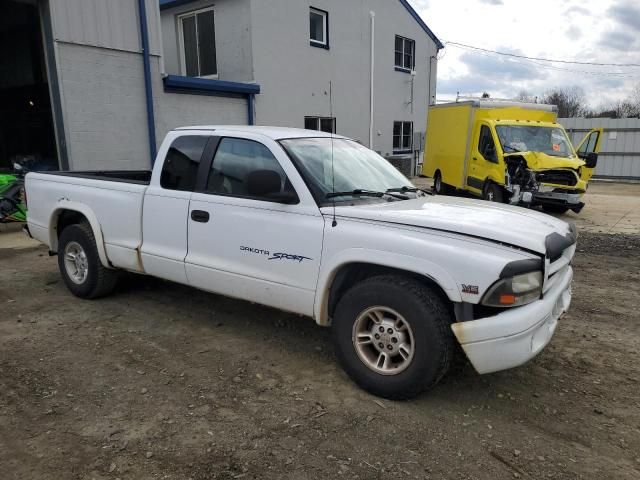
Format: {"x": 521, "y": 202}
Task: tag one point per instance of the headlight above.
{"x": 514, "y": 291}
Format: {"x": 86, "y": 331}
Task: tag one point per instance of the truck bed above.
{"x": 141, "y": 177}
{"x": 110, "y": 200}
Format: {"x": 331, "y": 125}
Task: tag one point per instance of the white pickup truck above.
{"x": 320, "y": 226}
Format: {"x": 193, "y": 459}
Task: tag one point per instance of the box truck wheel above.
{"x": 439, "y": 186}
{"x": 493, "y": 192}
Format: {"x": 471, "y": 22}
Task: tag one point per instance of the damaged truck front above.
{"x": 542, "y": 167}
{"x": 508, "y": 152}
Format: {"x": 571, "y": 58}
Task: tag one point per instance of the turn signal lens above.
{"x": 514, "y": 291}
{"x": 507, "y": 299}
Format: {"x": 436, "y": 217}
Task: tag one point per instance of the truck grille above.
{"x": 558, "y": 267}
{"x": 558, "y": 177}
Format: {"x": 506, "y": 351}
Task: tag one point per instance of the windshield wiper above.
{"x": 405, "y": 189}
{"x": 358, "y": 192}
{"x": 513, "y": 150}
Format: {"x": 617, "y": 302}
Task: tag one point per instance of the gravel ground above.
{"x": 163, "y": 381}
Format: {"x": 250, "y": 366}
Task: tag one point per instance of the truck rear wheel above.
{"x": 392, "y": 336}
{"x": 80, "y": 264}
{"x": 440, "y": 187}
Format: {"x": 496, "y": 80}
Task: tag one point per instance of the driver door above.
{"x": 590, "y": 145}
{"x": 484, "y": 158}
{"x": 248, "y": 246}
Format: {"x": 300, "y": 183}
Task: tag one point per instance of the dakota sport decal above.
{"x": 275, "y": 256}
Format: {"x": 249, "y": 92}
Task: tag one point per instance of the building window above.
{"x": 402, "y": 137}
{"x": 198, "y": 43}
{"x": 324, "y": 124}
{"x": 405, "y": 54}
{"x": 319, "y": 28}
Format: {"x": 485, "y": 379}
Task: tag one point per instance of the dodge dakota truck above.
{"x": 319, "y": 225}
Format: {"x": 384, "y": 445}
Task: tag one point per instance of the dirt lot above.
{"x": 163, "y": 381}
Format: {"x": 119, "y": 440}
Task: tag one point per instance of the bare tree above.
{"x": 571, "y": 101}
{"x": 628, "y": 107}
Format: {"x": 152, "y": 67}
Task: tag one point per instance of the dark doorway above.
{"x": 26, "y": 121}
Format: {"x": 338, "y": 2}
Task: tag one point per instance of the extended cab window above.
{"x": 180, "y": 167}
{"x": 486, "y": 145}
{"x": 235, "y": 160}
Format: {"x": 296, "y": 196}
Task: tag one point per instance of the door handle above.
{"x": 199, "y": 216}
{"x": 475, "y": 158}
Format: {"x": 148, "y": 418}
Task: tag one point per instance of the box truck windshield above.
{"x": 552, "y": 141}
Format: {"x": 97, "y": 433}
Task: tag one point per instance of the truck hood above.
{"x": 538, "y": 161}
{"x": 507, "y": 224}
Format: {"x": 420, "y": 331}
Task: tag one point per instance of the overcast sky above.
{"x": 605, "y": 31}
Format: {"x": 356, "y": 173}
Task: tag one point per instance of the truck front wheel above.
{"x": 393, "y": 336}
{"x": 493, "y": 192}
{"x": 550, "y": 208}
{"x": 80, "y": 264}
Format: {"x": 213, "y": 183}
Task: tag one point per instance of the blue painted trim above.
{"x": 424, "y": 26}
{"x": 151, "y": 124}
{"x": 164, "y": 4}
{"x": 207, "y": 86}
{"x": 250, "y": 109}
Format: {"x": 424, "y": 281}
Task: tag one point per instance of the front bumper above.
{"x": 515, "y": 336}
{"x": 558, "y": 196}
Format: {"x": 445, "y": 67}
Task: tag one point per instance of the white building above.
{"x": 95, "y": 84}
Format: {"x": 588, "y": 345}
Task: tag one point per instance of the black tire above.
{"x": 493, "y": 192}
{"x": 99, "y": 281}
{"x": 554, "y": 208}
{"x": 428, "y": 318}
{"x": 439, "y": 187}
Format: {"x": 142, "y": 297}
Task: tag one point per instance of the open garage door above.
{"x": 26, "y": 121}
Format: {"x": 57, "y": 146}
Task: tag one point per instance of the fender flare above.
{"x": 381, "y": 258}
{"x": 67, "y": 205}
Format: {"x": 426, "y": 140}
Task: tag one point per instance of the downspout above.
{"x": 429, "y": 102}
{"x": 373, "y": 31}
{"x": 151, "y": 124}
{"x": 250, "y": 109}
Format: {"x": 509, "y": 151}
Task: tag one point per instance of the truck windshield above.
{"x": 354, "y": 169}
{"x": 530, "y": 138}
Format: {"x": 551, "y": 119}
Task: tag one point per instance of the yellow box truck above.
{"x": 508, "y": 152}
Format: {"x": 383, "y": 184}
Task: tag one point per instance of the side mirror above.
{"x": 268, "y": 184}
{"x": 591, "y": 160}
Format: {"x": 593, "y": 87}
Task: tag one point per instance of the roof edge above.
{"x": 422, "y": 23}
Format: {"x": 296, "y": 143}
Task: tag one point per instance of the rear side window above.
{"x": 235, "y": 159}
{"x": 180, "y": 168}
